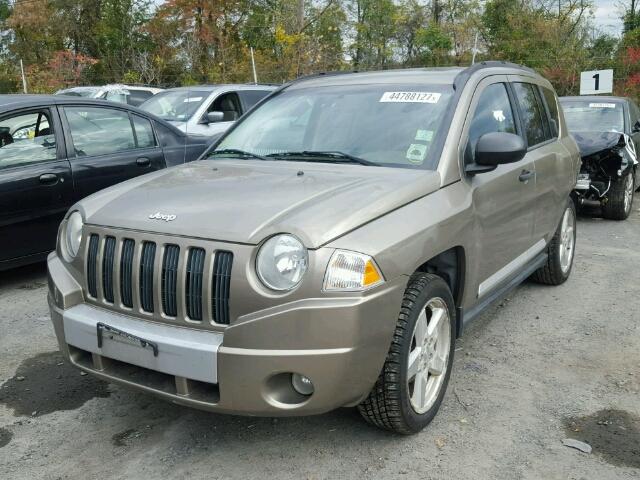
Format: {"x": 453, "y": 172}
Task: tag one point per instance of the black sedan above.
{"x": 56, "y": 150}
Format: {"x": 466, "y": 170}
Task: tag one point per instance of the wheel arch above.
{"x": 450, "y": 265}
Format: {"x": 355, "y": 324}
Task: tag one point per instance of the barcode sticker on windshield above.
{"x": 602, "y": 105}
{"x": 410, "y": 97}
{"x": 192, "y": 99}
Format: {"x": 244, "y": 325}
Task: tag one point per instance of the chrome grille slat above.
{"x": 146, "y": 276}
{"x": 126, "y": 272}
{"x": 170, "y": 280}
{"x": 158, "y": 279}
{"x": 193, "y": 286}
{"x": 221, "y": 286}
{"x": 107, "y": 268}
{"x": 92, "y": 260}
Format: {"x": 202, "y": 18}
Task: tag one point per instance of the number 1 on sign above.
{"x": 597, "y": 79}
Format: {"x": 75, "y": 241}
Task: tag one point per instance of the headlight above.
{"x": 73, "y": 235}
{"x": 282, "y": 262}
{"x": 351, "y": 272}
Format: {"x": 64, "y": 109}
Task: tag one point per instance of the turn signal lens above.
{"x": 351, "y": 272}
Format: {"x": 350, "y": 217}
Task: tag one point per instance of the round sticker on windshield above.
{"x": 416, "y": 153}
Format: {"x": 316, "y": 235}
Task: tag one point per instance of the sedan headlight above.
{"x": 72, "y": 236}
{"x": 351, "y": 272}
{"x": 282, "y": 262}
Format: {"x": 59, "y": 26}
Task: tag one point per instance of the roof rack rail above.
{"x": 464, "y": 75}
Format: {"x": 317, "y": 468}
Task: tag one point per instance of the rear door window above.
{"x": 99, "y": 131}
{"x": 533, "y": 117}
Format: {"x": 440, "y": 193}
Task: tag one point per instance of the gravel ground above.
{"x": 541, "y": 366}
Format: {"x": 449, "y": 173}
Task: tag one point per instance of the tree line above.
{"x": 184, "y": 42}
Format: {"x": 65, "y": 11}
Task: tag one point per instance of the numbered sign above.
{"x": 596, "y": 81}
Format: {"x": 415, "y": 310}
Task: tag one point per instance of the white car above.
{"x": 129, "y": 94}
{"x": 206, "y": 109}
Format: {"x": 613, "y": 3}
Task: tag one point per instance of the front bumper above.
{"x": 340, "y": 343}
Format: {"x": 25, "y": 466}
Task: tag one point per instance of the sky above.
{"x": 607, "y": 17}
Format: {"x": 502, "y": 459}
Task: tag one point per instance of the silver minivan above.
{"x": 206, "y": 109}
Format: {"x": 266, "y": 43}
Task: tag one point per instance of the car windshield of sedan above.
{"x": 176, "y": 106}
{"x": 385, "y": 125}
{"x": 595, "y": 116}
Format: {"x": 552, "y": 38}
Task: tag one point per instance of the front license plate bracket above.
{"x": 102, "y": 328}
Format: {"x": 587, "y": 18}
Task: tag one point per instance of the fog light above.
{"x": 301, "y": 384}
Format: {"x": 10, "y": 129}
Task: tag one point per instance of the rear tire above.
{"x": 414, "y": 378}
{"x": 619, "y": 198}
{"x": 560, "y": 250}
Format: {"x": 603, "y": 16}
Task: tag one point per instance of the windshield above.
{"x": 175, "y": 106}
{"x": 587, "y": 115}
{"x": 80, "y": 92}
{"x": 388, "y": 125}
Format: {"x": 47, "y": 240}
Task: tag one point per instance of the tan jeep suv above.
{"x": 328, "y": 250}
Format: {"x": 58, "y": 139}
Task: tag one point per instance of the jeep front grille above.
{"x": 188, "y": 284}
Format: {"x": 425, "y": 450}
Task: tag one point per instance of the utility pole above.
{"x": 253, "y": 66}
{"x": 437, "y": 11}
{"x": 475, "y": 50}
{"x": 300, "y": 15}
{"x": 24, "y": 80}
{"x": 300, "y": 26}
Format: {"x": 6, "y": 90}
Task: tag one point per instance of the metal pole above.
{"x": 475, "y": 49}
{"x": 253, "y": 65}
{"x": 24, "y": 80}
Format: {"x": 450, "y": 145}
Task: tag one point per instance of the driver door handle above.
{"x": 526, "y": 175}
{"x": 143, "y": 162}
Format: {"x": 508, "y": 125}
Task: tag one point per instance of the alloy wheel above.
{"x": 429, "y": 355}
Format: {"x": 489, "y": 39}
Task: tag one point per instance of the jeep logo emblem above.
{"x": 162, "y": 216}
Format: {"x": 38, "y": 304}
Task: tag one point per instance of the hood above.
{"x": 596, "y": 142}
{"x": 245, "y": 201}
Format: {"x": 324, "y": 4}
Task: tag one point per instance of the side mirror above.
{"x": 213, "y": 117}
{"x": 496, "y": 148}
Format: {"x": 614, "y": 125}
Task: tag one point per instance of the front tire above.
{"x": 415, "y": 375}
{"x": 619, "y": 198}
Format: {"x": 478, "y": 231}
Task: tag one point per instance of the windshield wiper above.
{"x": 235, "y": 151}
{"x": 317, "y": 155}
